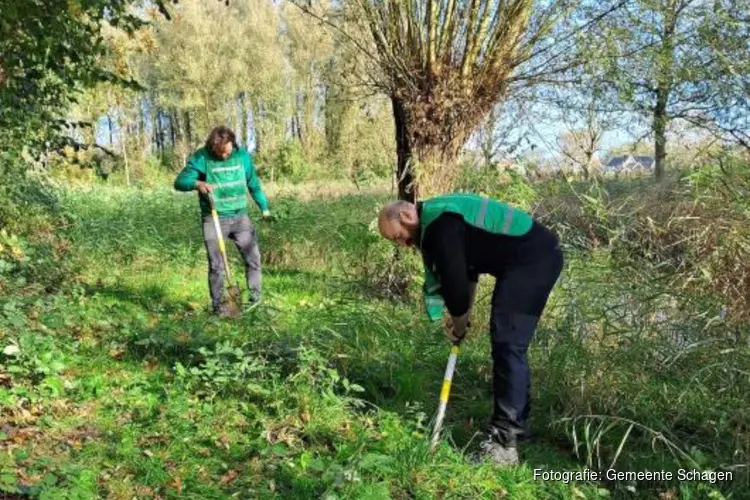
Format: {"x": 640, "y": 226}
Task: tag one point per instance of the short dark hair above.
{"x": 219, "y": 136}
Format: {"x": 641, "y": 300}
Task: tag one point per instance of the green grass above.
{"x": 123, "y": 386}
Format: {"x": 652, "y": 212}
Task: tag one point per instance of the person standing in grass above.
{"x": 464, "y": 235}
{"x": 226, "y": 170}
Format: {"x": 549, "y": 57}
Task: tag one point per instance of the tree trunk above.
{"x": 663, "y": 86}
{"x": 152, "y": 116}
{"x": 488, "y": 138}
{"x": 179, "y": 147}
{"x": 110, "y": 126}
{"x": 336, "y": 112}
{"x": 152, "y": 139}
{"x": 308, "y": 110}
{"x": 404, "y": 174}
{"x": 172, "y": 131}
{"x": 429, "y": 139}
{"x": 660, "y": 139}
{"x": 243, "y": 119}
{"x": 124, "y": 140}
{"x": 159, "y": 133}
{"x": 139, "y": 127}
{"x": 257, "y": 117}
{"x": 188, "y": 129}
{"x": 178, "y": 125}
{"x": 296, "y": 134}
{"x": 487, "y": 148}
{"x": 589, "y": 155}
{"x": 298, "y": 127}
{"x": 585, "y": 167}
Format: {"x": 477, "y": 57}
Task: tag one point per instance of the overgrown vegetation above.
{"x": 119, "y": 384}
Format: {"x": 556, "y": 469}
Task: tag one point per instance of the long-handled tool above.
{"x": 234, "y": 295}
{"x": 444, "y": 393}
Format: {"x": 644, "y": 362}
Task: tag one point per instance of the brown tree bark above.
{"x": 404, "y": 174}
{"x": 660, "y": 137}
{"x": 431, "y": 129}
{"x": 188, "y": 128}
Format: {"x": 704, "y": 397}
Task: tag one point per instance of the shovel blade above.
{"x": 233, "y": 302}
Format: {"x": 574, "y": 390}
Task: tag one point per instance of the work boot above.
{"x": 493, "y": 450}
{"x": 497, "y": 453}
{"x": 221, "y": 312}
{"x": 224, "y": 311}
{"x": 252, "y": 302}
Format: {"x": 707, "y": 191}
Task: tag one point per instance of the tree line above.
{"x": 344, "y": 85}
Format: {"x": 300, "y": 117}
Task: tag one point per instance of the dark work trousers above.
{"x": 241, "y": 231}
{"x": 518, "y": 300}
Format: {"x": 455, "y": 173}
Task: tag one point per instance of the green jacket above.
{"x": 205, "y": 167}
{"x": 481, "y": 212}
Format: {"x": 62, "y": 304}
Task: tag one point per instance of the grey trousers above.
{"x": 241, "y": 231}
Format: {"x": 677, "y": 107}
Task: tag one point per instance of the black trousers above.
{"x": 518, "y": 301}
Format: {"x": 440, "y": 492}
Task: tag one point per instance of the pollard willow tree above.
{"x": 446, "y": 63}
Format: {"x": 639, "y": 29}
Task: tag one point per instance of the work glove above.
{"x": 457, "y": 328}
{"x": 453, "y": 336}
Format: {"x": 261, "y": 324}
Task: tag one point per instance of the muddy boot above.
{"x": 224, "y": 311}
{"x": 494, "y": 450}
{"x": 220, "y": 312}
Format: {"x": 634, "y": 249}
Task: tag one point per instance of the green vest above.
{"x": 230, "y": 185}
{"x": 478, "y": 211}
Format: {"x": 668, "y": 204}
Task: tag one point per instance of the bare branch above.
{"x": 595, "y": 20}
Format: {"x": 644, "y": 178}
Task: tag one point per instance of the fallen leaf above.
{"x": 229, "y": 477}
{"x": 177, "y": 484}
{"x": 116, "y": 353}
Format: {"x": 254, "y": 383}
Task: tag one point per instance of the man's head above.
{"x": 221, "y": 142}
{"x": 399, "y": 222}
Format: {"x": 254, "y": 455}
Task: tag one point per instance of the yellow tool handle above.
{"x": 446, "y": 389}
{"x": 220, "y": 236}
{"x": 444, "y": 393}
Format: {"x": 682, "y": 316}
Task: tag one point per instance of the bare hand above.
{"x": 203, "y": 188}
